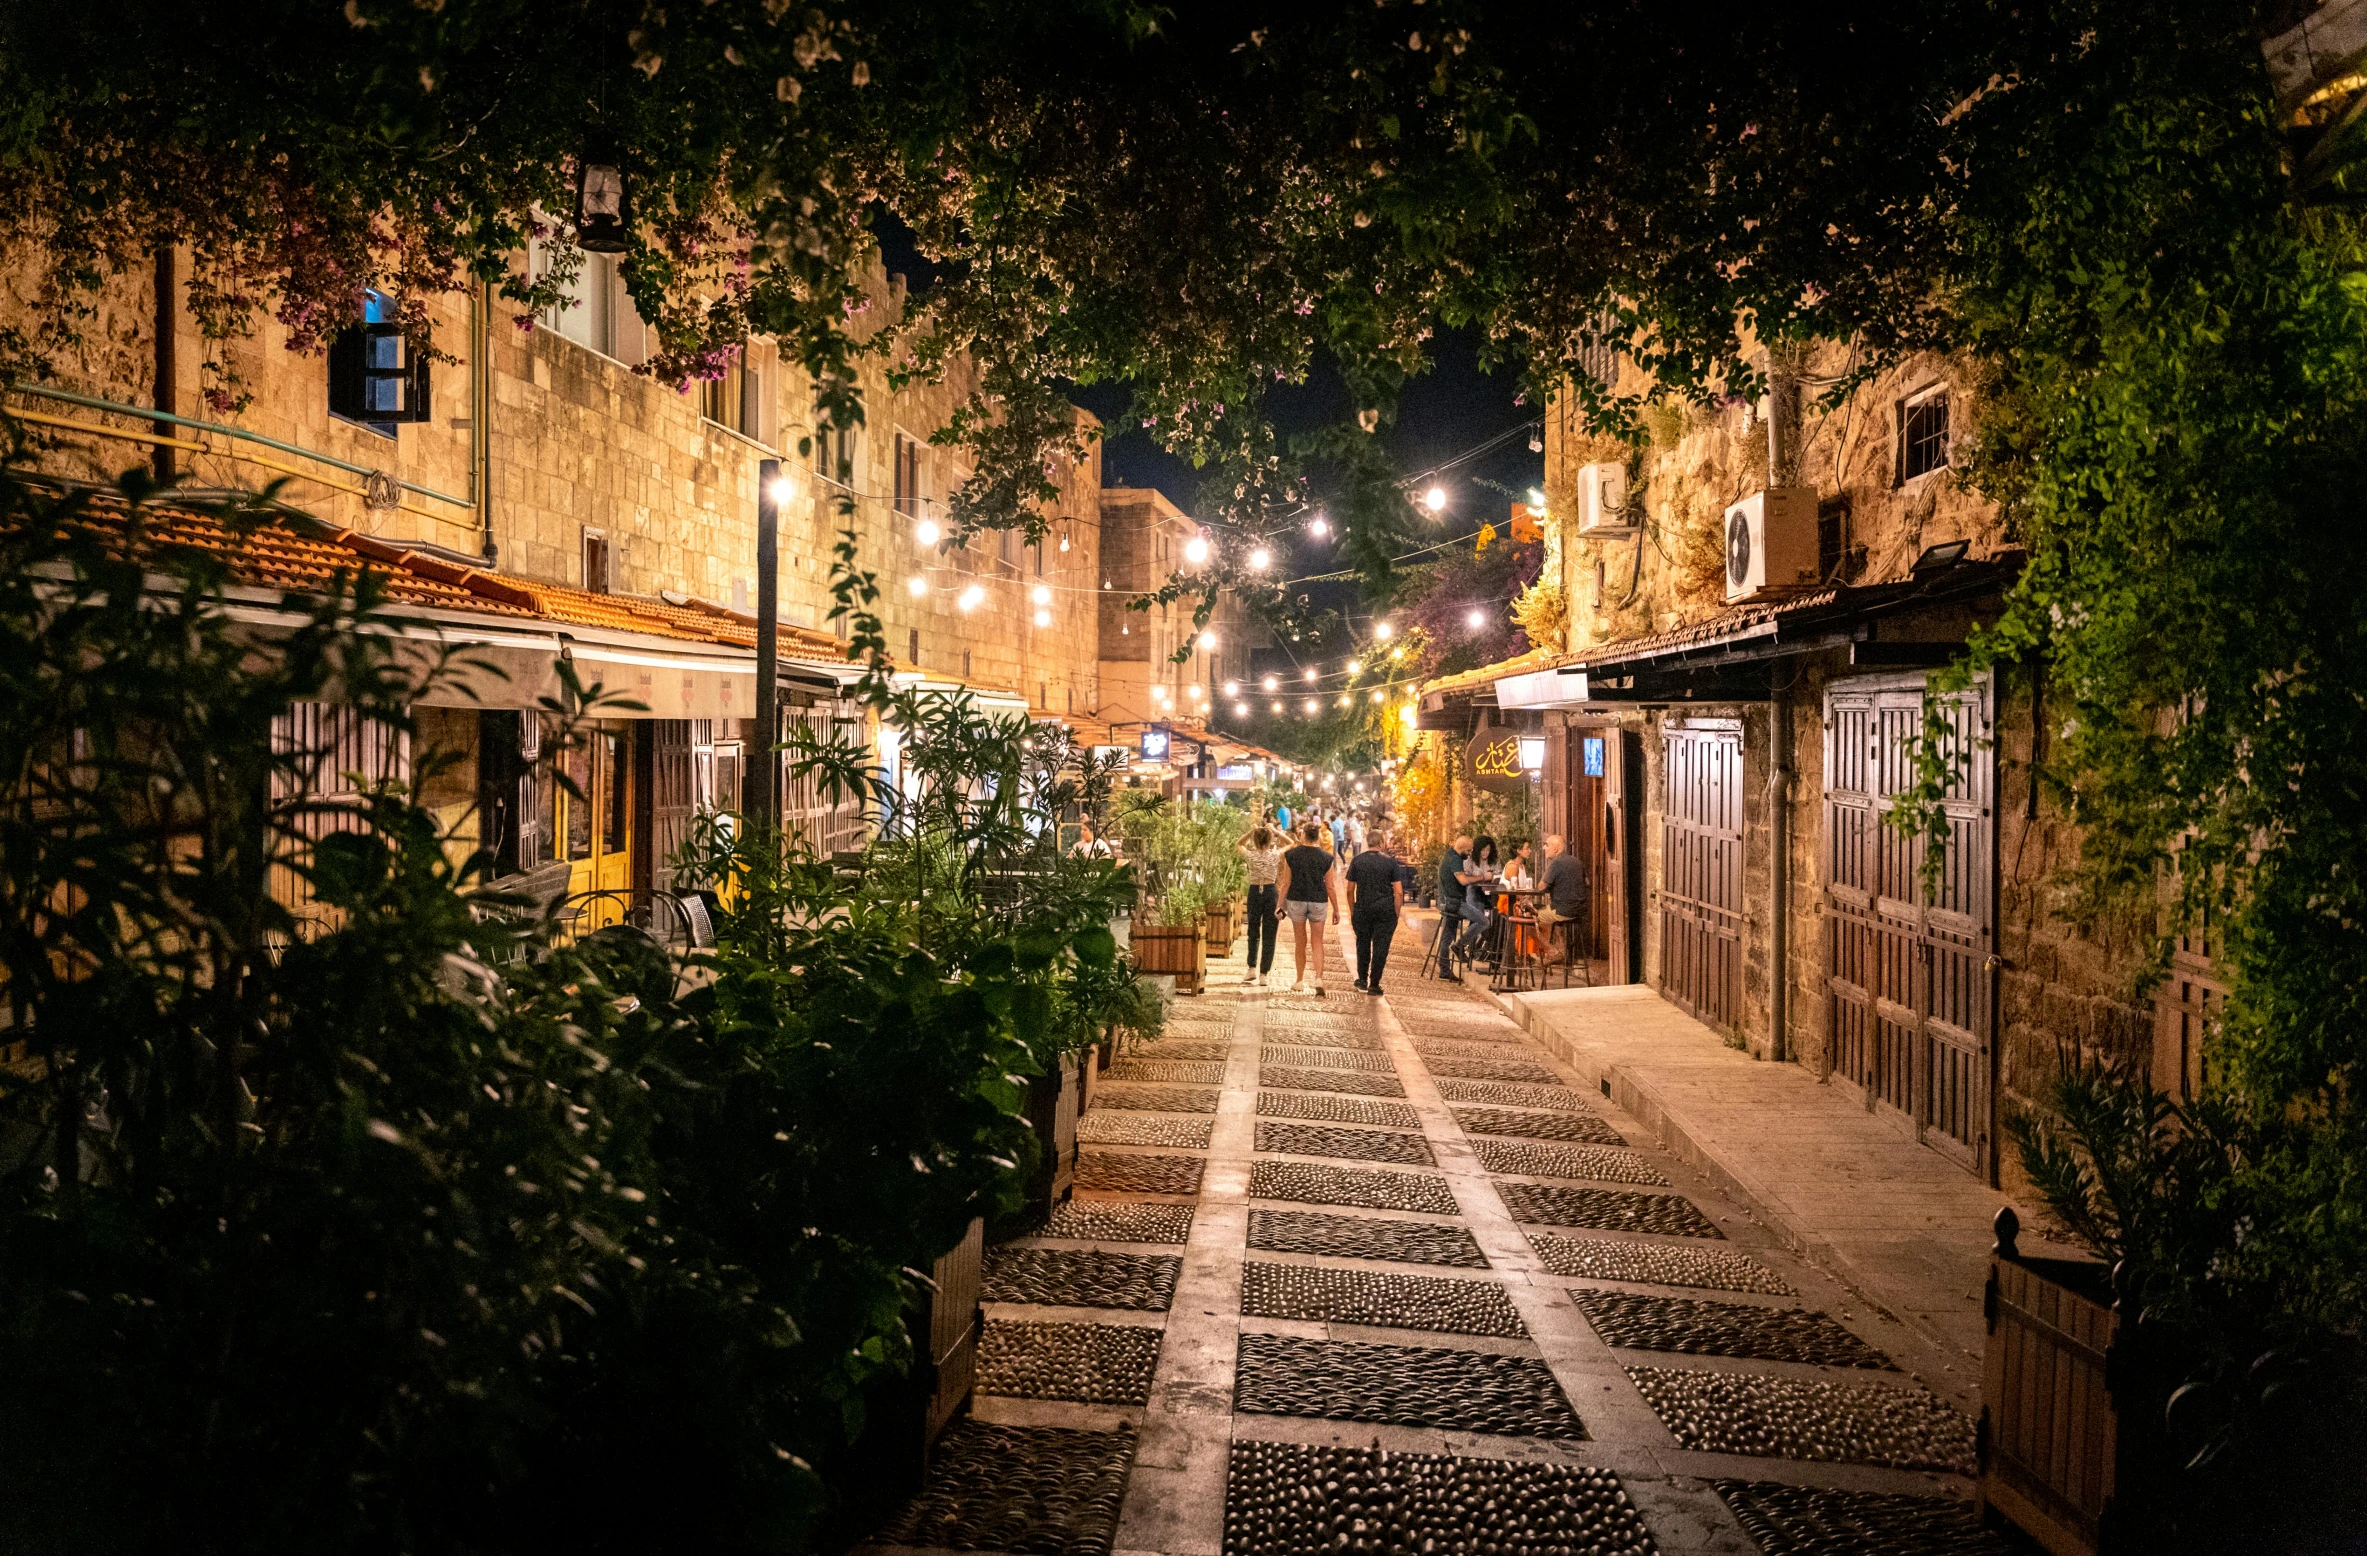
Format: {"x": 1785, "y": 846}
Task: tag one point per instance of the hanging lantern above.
{"x": 603, "y": 205}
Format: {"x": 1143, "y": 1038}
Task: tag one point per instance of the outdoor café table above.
{"x": 1520, "y": 944}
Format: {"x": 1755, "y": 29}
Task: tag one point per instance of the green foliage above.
{"x": 1185, "y": 850}
{"x": 419, "y": 1223}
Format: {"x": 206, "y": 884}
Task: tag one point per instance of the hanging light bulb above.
{"x": 1382, "y": 631}
{"x": 1241, "y": 710}
{"x": 927, "y": 532}
{"x": 971, "y": 598}
{"x": 1318, "y": 526}
{"x": 1475, "y": 618}
{"x": 1041, "y": 594}
{"x": 1196, "y": 550}
{"x": 1347, "y": 702}
{"x": 603, "y": 203}
{"x": 1207, "y": 642}
{"x": 1376, "y": 696}
{"x": 1413, "y": 714}
{"x": 1278, "y": 707}
{"x": 1311, "y": 674}
{"x": 1536, "y": 499}
{"x": 1313, "y": 705}
{"x": 1536, "y": 442}
{"x": 1064, "y": 540}
{"x": 1043, "y": 618}
{"x": 783, "y": 491}
{"x": 916, "y": 587}
{"x": 1272, "y": 682}
{"x": 1260, "y": 559}
{"x": 1355, "y": 667}
{"x": 1435, "y": 499}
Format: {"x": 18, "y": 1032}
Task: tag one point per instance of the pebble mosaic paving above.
{"x": 1073, "y": 1277}
{"x": 1364, "y": 1237}
{"x": 1381, "y": 1299}
{"x": 1195, "y": 1072}
{"x": 1096, "y": 1364}
{"x": 1364, "y": 1145}
{"x": 1808, "y": 1418}
{"x": 1283, "y": 1499}
{"x": 1578, "y": 1128}
{"x": 1655, "y": 1264}
{"x": 1032, "y": 1491}
{"x": 1818, "y": 1521}
{"x": 1353, "y": 1081}
{"x": 1101, "y": 1127}
{"x": 1098, "y": 1221}
{"x": 1723, "y": 1329}
{"x": 1601, "y": 1164}
{"x": 1401, "y": 1385}
{"x": 1110, "y": 1172}
{"x": 1313, "y": 1185}
{"x": 1503, "y": 1095}
{"x": 1157, "y": 1099}
{"x": 1606, "y": 1210}
{"x": 1330, "y": 1109}
{"x": 1491, "y": 1070}
{"x": 1329, "y": 1059}
{"x": 1327, "y": 1067}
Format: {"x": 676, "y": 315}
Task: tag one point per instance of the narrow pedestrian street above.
{"x": 1358, "y": 1274}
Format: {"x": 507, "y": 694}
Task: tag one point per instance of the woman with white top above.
{"x": 1262, "y": 851}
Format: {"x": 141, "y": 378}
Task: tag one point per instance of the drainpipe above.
{"x": 1779, "y": 874}
{"x": 480, "y": 416}
{"x": 167, "y": 317}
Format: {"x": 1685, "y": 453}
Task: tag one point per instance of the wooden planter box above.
{"x": 1181, "y": 952}
{"x": 905, "y": 1415}
{"x": 1053, "y": 1103}
{"x": 2049, "y": 1436}
{"x": 1220, "y": 930}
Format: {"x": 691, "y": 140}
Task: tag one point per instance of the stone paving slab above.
{"x": 1580, "y": 1128}
{"x": 1101, "y": 1127}
{"x": 1329, "y": 1059}
{"x": 1491, "y": 1070}
{"x": 1111, "y": 1172}
{"x": 1098, "y": 1364}
{"x": 1401, "y": 1385}
{"x": 1290, "y": 1498}
{"x": 1379, "y": 1299}
{"x": 1505, "y": 1094}
{"x": 1699, "y": 1328}
{"x": 1099, "y": 1221}
{"x": 1032, "y": 1491}
{"x": 1331, "y": 1109}
{"x": 1655, "y": 1264}
{"x": 1180, "y": 1048}
{"x": 1287, "y": 1079}
{"x": 1364, "y": 1237}
{"x": 1599, "y": 1163}
{"x": 1070, "y": 1277}
{"x": 1365, "y": 1145}
{"x": 1791, "y": 1520}
{"x": 1194, "y": 1071}
{"x": 1157, "y": 1099}
{"x": 1472, "y": 1045}
{"x": 1313, "y": 1185}
{"x": 1609, "y": 1210}
{"x": 1359, "y": 1041}
{"x": 1808, "y": 1418}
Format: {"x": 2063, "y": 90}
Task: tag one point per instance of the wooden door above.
{"x": 1909, "y": 1005}
{"x": 595, "y": 818}
{"x": 1701, "y": 872}
{"x": 1584, "y": 761}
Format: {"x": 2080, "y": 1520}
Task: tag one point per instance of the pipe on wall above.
{"x": 1779, "y": 875}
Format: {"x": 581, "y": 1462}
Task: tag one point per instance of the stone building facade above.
{"x": 1725, "y": 765}
{"x": 1143, "y": 541}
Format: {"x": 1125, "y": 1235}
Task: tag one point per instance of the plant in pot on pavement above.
{"x": 1216, "y": 833}
{"x": 1170, "y": 924}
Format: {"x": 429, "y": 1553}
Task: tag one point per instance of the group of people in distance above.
{"x": 1469, "y": 877}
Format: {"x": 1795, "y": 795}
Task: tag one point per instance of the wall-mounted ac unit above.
{"x": 1602, "y": 500}
{"x": 1771, "y": 543}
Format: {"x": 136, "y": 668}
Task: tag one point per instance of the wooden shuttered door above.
{"x": 333, "y": 758}
{"x": 1910, "y": 1006}
{"x": 1701, "y": 872}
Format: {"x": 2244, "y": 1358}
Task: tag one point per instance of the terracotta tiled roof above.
{"x": 297, "y": 555}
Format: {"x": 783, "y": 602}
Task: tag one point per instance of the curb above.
{"x": 1637, "y": 1098}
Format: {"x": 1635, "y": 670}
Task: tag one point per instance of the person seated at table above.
{"x": 1520, "y": 871}
{"x": 1479, "y": 903}
{"x": 1461, "y": 889}
{"x": 1565, "y": 888}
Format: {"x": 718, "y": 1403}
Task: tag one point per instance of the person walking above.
{"x": 1379, "y": 893}
{"x": 1339, "y": 837}
{"x": 1306, "y": 898}
{"x": 1262, "y": 851}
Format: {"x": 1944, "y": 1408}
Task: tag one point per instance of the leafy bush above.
{"x": 418, "y": 1227}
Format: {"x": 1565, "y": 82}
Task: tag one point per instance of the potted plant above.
{"x": 1170, "y": 936}
{"x": 1217, "y": 831}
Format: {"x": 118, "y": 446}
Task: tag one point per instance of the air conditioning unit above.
{"x": 1602, "y": 500}
{"x": 1771, "y": 543}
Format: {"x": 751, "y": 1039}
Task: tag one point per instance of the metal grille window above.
{"x": 376, "y": 375}
{"x": 1923, "y": 434}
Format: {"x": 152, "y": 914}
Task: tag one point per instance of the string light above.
{"x": 1064, "y": 540}
{"x": 1277, "y": 707}
{"x": 784, "y": 491}
{"x": 1536, "y": 499}
{"x": 927, "y": 532}
{"x": 1273, "y": 683}
{"x": 1347, "y": 702}
{"x": 1435, "y": 499}
{"x": 916, "y": 587}
{"x": 1376, "y": 696}
{"x": 1207, "y": 642}
{"x": 1241, "y": 710}
{"x": 1355, "y": 667}
{"x": 1312, "y": 705}
{"x": 1382, "y": 631}
{"x": 1041, "y": 594}
{"x": 1043, "y": 618}
{"x": 1310, "y": 674}
{"x": 1318, "y": 526}
{"x": 971, "y": 598}
{"x": 1260, "y": 559}
{"x": 1196, "y": 550}
{"x": 1232, "y": 688}
{"x": 1476, "y": 619}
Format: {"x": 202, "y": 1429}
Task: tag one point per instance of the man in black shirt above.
{"x": 1455, "y": 913}
{"x": 1565, "y": 887}
{"x": 1379, "y": 893}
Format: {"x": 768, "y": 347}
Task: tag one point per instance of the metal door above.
{"x": 1701, "y": 872}
{"x": 1908, "y": 987}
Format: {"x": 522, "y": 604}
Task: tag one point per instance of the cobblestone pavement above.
{"x": 1488, "y": 1315}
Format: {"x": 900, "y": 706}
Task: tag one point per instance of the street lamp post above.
{"x": 760, "y": 796}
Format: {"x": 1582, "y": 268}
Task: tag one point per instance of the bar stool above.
{"x": 1520, "y": 959}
